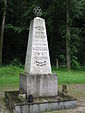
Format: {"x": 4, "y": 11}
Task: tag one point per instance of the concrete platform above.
{"x": 40, "y": 104}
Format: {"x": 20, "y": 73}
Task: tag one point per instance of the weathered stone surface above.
{"x": 39, "y": 85}
{"x": 45, "y": 107}
{"x": 52, "y": 104}
{"x": 37, "y": 57}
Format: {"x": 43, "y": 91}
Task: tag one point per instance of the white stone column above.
{"x": 37, "y": 56}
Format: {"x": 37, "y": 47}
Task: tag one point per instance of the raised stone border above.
{"x": 54, "y": 103}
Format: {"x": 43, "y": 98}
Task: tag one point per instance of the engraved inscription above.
{"x": 39, "y": 40}
{"x": 40, "y": 58}
{"x": 39, "y": 44}
{"x": 40, "y": 48}
{"x": 40, "y": 63}
{"x": 40, "y": 53}
{"x": 36, "y": 36}
{"x": 40, "y": 33}
{"x": 40, "y": 28}
{"x": 39, "y": 22}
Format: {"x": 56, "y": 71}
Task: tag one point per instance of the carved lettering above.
{"x": 40, "y": 63}
{"x": 40, "y": 28}
{"x": 40, "y": 48}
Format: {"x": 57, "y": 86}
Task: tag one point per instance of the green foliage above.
{"x": 75, "y": 63}
{"x": 19, "y": 15}
{"x": 16, "y": 62}
{"x": 62, "y": 31}
{"x": 15, "y": 29}
{"x": 10, "y": 70}
{"x": 75, "y": 42}
{"x": 62, "y": 60}
{"x": 75, "y": 7}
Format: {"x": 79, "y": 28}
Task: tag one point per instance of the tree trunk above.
{"x": 68, "y": 36}
{"x": 57, "y": 64}
{"x": 2, "y": 30}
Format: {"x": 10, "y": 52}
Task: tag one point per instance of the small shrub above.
{"x": 75, "y": 64}
{"x": 16, "y": 62}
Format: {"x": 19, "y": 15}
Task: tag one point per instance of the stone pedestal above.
{"x": 38, "y": 85}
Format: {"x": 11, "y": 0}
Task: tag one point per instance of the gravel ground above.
{"x": 77, "y": 91}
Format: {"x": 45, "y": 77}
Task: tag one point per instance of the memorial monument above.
{"x": 38, "y": 86}
{"x": 38, "y": 79}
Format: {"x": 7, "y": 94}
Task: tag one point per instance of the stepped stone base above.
{"x": 39, "y": 105}
{"x": 39, "y": 85}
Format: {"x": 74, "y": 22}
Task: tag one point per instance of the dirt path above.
{"x": 77, "y": 91}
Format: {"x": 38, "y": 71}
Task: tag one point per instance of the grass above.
{"x": 70, "y": 77}
{"x": 9, "y": 76}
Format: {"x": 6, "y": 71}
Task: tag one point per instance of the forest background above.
{"x": 65, "y": 23}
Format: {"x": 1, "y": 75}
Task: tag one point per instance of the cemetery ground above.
{"x": 75, "y": 80}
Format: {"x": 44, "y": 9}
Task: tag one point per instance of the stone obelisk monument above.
{"x": 38, "y": 83}
{"x": 38, "y": 79}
